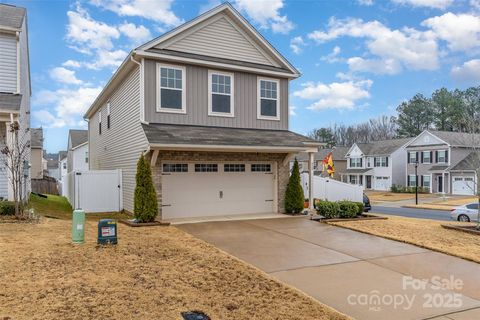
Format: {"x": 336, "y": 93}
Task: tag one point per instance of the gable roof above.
{"x": 78, "y": 137}
{"x": 36, "y": 138}
{"x": 382, "y": 147}
{"x": 458, "y": 139}
{"x": 11, "y": 16}
{"x": 470, "y": 162}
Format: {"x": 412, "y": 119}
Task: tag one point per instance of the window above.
{"x": 473, "y": 206}
{"x": 353, "y": 179}
{"x": 206, "y": 167}
{"x": 220, "y": 96}
{"x": 86, "y": 156}
{"x": 468, "y": 179}
{"x": 268, "y": 96}
{"x": 442, "y": 156}
{"x": 369, "y": 162}
{"x": 426, "y": 182}
{"x": 108, "y": 115}
{"x": 355, "y": 162}
{"x": 381, "y": 161}
{"x": 64, "y": 165}
{"x": 412, "y": 157}
{"x": 175, "y": 167}
{"x": 411, "y": 180}
{"x": 233, "y": 167}
{"x": 100, "y": 122}
{"x": 171, "y": 91}
{"x": 426, "y": 157}
{"x": 260, "y": 167}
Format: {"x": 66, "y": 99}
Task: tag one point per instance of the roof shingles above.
{"x": 11, "y": 16}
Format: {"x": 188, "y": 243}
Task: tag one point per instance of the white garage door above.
{"x": 216, "y": 189}
{"x": 463, "y": 185}
{"x": 382, "y": 183}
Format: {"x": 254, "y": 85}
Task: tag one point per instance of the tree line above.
{"x": 455, "y": 110}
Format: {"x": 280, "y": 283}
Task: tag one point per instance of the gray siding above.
{"x": 120, "y": 146}
{"x": 220, "y": 39}
{"x": 197, "y": 101}
{"x": 8, "y": 62}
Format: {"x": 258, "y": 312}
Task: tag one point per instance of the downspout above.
{"x": 142, "y": 88}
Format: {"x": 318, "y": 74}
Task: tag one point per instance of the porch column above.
{"x": 310, "y": 181}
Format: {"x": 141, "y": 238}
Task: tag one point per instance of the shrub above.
{"x": 145, "y": 198}
{"x": 328, "y": 209}
{"x": 348, "y": 209}
{"x": 294, "y": 197}
{"x": 395, "y": 188}
{"x": 7, "y": 208}
{"x": 360, "y": 208}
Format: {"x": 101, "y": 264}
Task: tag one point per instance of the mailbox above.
{"x": 107, "y": 231}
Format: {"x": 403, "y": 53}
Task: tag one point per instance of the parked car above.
{"x": 366, "y": 203}
{"x": 465, "y": 213}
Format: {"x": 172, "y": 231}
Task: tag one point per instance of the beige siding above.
{"x": 120, "y": 146}
{"x": 220, "y": 38}
{"x": 197, "y": 101}
{"x": 37, "y": 165}
{"x": 8, "y": 62}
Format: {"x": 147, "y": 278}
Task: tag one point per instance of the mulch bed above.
{"x": 131, "y": 223}
{"x": 468, "y": 229}
{"x": 357, "y": 218}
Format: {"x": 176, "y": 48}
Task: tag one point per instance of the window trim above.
{"x": 259, "y": 99}
{"x": 100, "y": 122}
{"x": 444, "y": 156}
{"x": 231, "y": 114}
{"x": 108, "y": 114}
{"x": 159, "y": 108}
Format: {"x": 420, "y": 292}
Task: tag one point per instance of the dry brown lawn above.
{"x": 376, "y": 196}
{"x": 424, "y": 233}
{"x": 444, "y": 205}
{"x": 153, "y": 273}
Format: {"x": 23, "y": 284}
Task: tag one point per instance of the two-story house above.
{"x": 14, "y": 87}
{"x": 207, "y": 103}
{"x": 77, "y": 153}
{"x": 445, "y": 162}
{"x": 377, "y": 165}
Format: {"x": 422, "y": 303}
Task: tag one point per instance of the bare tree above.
{"x": 14, "y": 159}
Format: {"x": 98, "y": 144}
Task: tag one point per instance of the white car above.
{"x": 465, "y": 213}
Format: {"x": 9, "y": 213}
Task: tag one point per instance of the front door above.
{"x": 369, "y": 182}
{"x": 440, "y": 184}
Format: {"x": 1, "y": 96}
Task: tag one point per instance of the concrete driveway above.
{"x": 364, "y": 276}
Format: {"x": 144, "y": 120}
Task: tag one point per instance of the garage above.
{"x": 382, "y": 183}
{"x": 203, "y": 189}
{"x": 463, "y": 185}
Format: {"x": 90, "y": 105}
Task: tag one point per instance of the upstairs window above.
{"x": 381, "y": 161}
{"x": 268, "y": 96}
{"x": 220, "y": 96}
{"x": 171, "y": 90}
{"x": 100, "y": 122}
{"x": 412, "y": 157}
{"x": 426, "y": 157}
{"x": 442, "y": 156}
{"x": 108, "y": 115}
{"x": 86, "y": 156}
{"x": 355, "y": 162}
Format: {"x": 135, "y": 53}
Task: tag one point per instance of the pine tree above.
{"x": 145, "y": 199}
{"x": 294, "y": 197}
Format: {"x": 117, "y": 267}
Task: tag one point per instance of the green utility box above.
{"x": 78, "y": 226}
{"x": 107, "y": 231}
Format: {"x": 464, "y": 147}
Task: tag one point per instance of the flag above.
{"x": 328, "y": 164}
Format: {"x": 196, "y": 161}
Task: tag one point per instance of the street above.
{"x": 413, "y": 213}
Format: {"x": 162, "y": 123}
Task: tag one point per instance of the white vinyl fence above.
{"x": 94, "y": 190}
{"x": 332, "y": 190}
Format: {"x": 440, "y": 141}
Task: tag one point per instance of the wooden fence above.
{"x": 47, "y": 185}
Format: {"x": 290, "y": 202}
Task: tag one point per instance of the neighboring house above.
{"x": 37, "y": 160}
{"x": 339, "y": 161}
{"x": 377, "y": 165}
{"x": 77, "y": 154}
{"x": 14, "y": 85}
{"x": 62, "y": 160}
{"x": 53, "y": 169}
{"x": 446, "y": 163}
{"x": 207, "y": 103}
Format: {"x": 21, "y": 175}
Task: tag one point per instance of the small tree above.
{"x": 145, "y": 199}
{"x": 294, "y": 196}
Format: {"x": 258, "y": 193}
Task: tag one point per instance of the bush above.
{"x": 328, "y": 209}
{"x": 294, "y": 197}
{"x": 7, "y": 208}
{"x": 348, "y": 209}
{"x": 360, "y": 208}
{"x": 395, "y": 188}
{"x": 145, "y": 198}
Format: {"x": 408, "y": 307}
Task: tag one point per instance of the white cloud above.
{"x": 365, "y": 2}
{"x": 69, "y": 105}
{"x": 468, "y": 72}
{"x": 72, "y": 64}
{"x": 158, "y": 11}
{"x": 377, "y": 66}
{"x": 332, "y": 56}
{"x": 63, "y": 75}
{"x": 296, "y": 44}
{"x": 460, "y": 31}
{"x": 266, "y": 14}
{"x": 436, "y": 4}
{"x": 291, "y": 110}
{"x": 138, "y": 34}
{"x": 105, "y": 58}
{"x": 409, "y": 48}
{"x": 336, "y": 95}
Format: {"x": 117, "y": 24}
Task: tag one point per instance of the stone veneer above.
{"x": 282, "y": 169}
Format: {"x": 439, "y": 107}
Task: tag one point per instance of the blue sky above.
{"x": 359, "y": 58}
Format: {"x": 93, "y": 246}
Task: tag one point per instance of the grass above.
{"x": 444, "y": 205}
{"x": 420, "y": 232}
{"x": 58, "y": 207}
{"x": 390, "y": 196}
{"x": 153, "y": 273}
